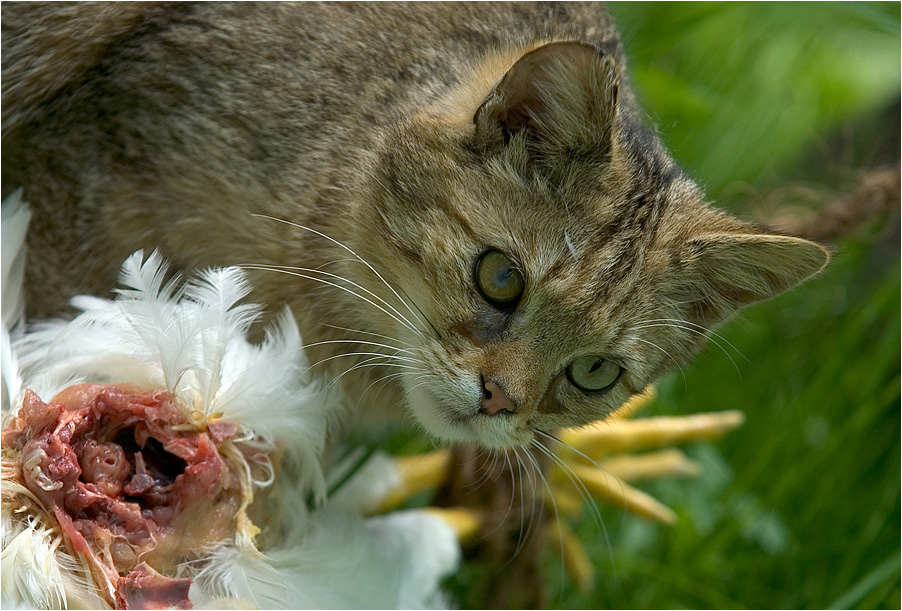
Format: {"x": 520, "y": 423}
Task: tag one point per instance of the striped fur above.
{"x": 358, "y": 159}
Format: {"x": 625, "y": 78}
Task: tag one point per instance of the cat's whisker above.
{"x": 362, "y": 342}
{"x": 523, "y": 533}
{"x": 404, "y": 359}
{"x": 670, "y": 356}
{"x": 707, "y": 331}
{"x": 496, "y": 456}
{"x": 519, "y": 491}
{"x": 561, "y": 442}
{"x": 491, "y": 466}
{"x": 407, "y": 391}
{"x": 420, "y": 378}
{"x": 686, "y": 324}
{"x": 370, "y": 333}
{"x": 536, "y": 468}
{"x": 377, "y": 359}
{"x": 490, "y": 456}
{"x": 594, "y": 510}
{"x": 299, "y": 272}
{"x": 382, "y": 380}
{"x": 435, "y": 444}
{"x": 343, "y": 288}
{"x": 590, "y": 502}
{"x": 409, "y": 351}
{"x": 574, "y": 479}
{"x": 347, "y": 248}
{"x": 557, "y": 515}
{"x": 514, "y": 493}
{"x": 706, "y": 335}
{"x": 371, "y": 362}
{"x": 409, "y": 301}
{"x": 514, "y": 488}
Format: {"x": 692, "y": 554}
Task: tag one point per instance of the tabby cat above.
{"x": 459, "y": 202}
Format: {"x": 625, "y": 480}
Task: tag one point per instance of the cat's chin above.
{"x": 455, "y": 424}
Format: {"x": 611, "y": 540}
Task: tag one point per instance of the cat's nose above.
{"x": 494, "y": 401}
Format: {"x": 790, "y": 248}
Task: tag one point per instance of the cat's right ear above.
{"x": 562, "y": 97}
{"x": 727, "y": 271}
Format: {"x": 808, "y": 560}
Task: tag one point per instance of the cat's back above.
{"x": 315, "y": 63}
{"x": 192, "y": 112}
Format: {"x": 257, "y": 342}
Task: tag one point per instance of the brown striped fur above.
{"x": 416, "y": 135}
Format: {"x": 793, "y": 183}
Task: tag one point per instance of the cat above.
{"x": 459, "y": 202}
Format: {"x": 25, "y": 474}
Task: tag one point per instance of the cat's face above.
{"x": 556, "y": 265}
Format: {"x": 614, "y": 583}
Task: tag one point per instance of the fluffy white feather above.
{"x": 14, "y": 222}
{"x": 341, "y": 562}
{"x": 38, "y": 573}
{"x": 14, "y": 219}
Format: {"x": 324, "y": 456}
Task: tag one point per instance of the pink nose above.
{"x": 494, "y": 401}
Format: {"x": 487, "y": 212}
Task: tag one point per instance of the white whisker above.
{"x": 709, "y": 334}
{"x": 383, "y": 380}
{"x": 292, "y": 268}
{"x": 523, "y": 535}
{"x": 484, "y": 476}
{"x": 380, "y": 335}
{"x": 400, "y": 320}
{"x": 371, "y": 362}
{"x": 554, "y": 507}
{"x": 358, "y": 257}
{"x": 571, "y": 475}
{"x": 396, "y": 357}
{"x": 361, "y": 342}
{"x": 676, "y": 362}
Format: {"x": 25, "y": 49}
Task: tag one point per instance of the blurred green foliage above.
{"x": 800, "y": 507}
{"x": 740, "y": 90}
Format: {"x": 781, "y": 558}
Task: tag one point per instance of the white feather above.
{"x": 342, "y": 562}
{"x": 149, "y": 316}
{"x": 14, "y": 221}
{"x": 40, "y": 575}
{"x": 12, "y": 381}
{"x": 423, "y": 548}
{"x": 366, "y": 490}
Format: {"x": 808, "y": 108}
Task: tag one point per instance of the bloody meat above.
{"x": 133, "y": 485}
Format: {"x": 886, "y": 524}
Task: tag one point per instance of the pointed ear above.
{"x": 728, "y": 271}
{"x": 562, "y": 97}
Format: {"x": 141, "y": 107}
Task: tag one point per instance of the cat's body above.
{"x": 460, "y": 150}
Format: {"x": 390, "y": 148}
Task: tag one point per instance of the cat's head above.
{"x": 555, "y": 259}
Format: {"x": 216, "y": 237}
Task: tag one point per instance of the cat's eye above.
{"x": 499, "y": 280}
{"x": 593, "y": 373}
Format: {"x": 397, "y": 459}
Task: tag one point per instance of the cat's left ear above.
{"x": 561, "y": 96}
{"x": 728, "y": 271}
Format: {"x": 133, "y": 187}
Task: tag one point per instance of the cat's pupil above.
{"x": 593, "y": 374}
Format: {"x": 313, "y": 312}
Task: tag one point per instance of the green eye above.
{"x": 593, "y": 373}
{"x": 499, "y": 281}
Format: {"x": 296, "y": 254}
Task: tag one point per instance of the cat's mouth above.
{"x": 459, "y": 419}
